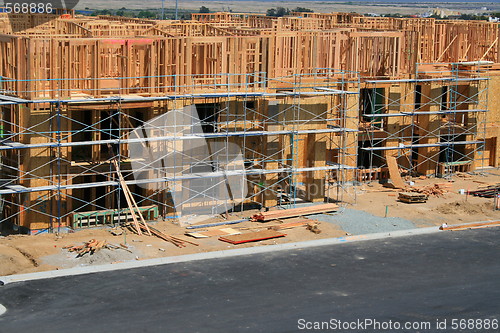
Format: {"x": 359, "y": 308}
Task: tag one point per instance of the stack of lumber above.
{"x": 412, "y": 197}
{"x": 252, "y": 237}
{"x": 281, "y": 214}
{"x": 437, "y": 190}
{"x": 488, "y": 192}
{"x": 155, "y": 232}
{"x": 139, "y": 223}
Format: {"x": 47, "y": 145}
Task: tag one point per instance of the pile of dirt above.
{"x": 13, "y": 261}
{"x": 464, "y": 207}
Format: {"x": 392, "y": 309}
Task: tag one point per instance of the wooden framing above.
{"x": 92, "y": 57}
{"x": 65, "y": 56}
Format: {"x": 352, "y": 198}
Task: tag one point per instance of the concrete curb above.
{"x": 211, "y": 255}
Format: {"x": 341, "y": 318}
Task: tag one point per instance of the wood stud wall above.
{"x": 72, "y": 57}
{"x": 85, "y": 48}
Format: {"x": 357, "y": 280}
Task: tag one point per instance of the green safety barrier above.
{"x": 111, "y": 216}
{"x": 456, "y": 163}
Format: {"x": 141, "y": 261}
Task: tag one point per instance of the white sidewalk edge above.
{"x": 211, "y": 255}
{"x": 2, "y": 309}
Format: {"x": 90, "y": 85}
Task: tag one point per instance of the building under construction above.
{"x": 312, "y": 105}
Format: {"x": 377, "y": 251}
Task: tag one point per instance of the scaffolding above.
{"x": 233, "y": 141}
{"x": 81, "y": 92}
{"x": 433, "y": 124}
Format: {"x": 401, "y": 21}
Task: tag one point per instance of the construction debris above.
{"x": 302, "y": 211}
{"x": 437, "y": 190}
{"x": 116, "y": 231}
{"x": 314, "y": 227}
{"x": 139, "y": 223}
{"x": 488, "y": 192}
{"x": 89, "y": 247}
{"x": 463, "y": 175}
{"x": 252, "y": 237}
{"x": 171, "y": 239}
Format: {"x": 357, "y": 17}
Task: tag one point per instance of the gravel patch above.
{"x": 357, "y": 222}
{"x": 67, "y": 259}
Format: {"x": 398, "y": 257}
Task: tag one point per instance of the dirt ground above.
{"x": 451, "y": 208}
{"x": 24, "y": 254}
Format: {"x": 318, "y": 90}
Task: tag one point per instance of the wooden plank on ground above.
{"x": 302, "y": 211}
{"x": 293, "y": 224}
{"x": 472, "y": 226}
{"x": 252, "y": 237}
{"x": 214, "y": 233}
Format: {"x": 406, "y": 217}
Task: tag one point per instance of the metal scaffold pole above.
{"x": 82, "y": 185}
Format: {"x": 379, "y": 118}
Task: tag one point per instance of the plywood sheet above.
{"x": 396, "y": 179}
{"x": 252, "y": 237}
{"x": 214, "y": 233}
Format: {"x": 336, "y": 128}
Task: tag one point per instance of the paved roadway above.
{"x": 422, "y": 278}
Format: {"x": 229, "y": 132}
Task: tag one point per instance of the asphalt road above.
{"x": 443, "y": 276}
